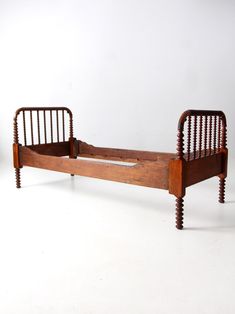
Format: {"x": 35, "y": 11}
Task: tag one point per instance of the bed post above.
{"x": 177, "y": 174}
{"x": 16, "y": 155}
{"x": 72, "y": 140}
{"x": 181, "y": 193}
{"x": 223, "y": 175}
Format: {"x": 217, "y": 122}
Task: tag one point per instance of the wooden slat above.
{"x": 31, "y": 126}
{"x": 205, "y": 134}
{"x": 210, "y": 134}
{"x": 63, "y": 125}
{"x": 189, "y": 137}
{"x": 45, "y": 126}
{"x": 57, "y": 126}
{"x": 86, "y": 150}
{"x": 215, "y": 133}
{"x": 51, "y": 124}
{"x": 38, "y": 123}
{"x": 195, "y": 137}
{"x": 53, "y": 149}
{"x": 219, "y": 134}
{"x": 24, "y": 128}
{"x": 204, "y": 168}
{"x": 150, "y": 174}
{"x": 200, "y": 137}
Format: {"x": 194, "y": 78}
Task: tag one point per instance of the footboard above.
{"x": 201, "y": 154}
{"x": 46, "y": 130}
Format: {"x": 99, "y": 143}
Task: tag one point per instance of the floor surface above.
{"x": 87, "y": 246}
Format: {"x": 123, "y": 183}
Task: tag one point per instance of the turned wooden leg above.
{"x": 72, "y": 174}
{"x": 179, "y": 212}
{"x": 17, "y": 174}
{"x": 221, "y": 190}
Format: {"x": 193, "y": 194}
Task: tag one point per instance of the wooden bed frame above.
{"x": 201, "y": 132}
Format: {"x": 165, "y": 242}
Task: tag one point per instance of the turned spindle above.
{"x": 189, "y": 138}
{"x": 71, "y": 139}
{"x": 38, "y": 123}
{"x": 179, "y": 212}
{"x": 16, "y": 162}
{"x": 222, "y": 190}
{"x": 200, "y": 137}
{"x": 18, "y": 180}
{"x": 195, "y": 137}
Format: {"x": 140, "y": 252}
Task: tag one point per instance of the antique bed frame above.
{"x": 203, "y": 132}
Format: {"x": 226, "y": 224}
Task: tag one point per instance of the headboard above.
{"x": 42, "y": 125}
{"x": 201, "y": 133}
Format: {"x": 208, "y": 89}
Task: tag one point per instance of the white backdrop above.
{"x": 126, "y": 68}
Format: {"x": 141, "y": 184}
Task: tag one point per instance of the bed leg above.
{"x": 179, "y": 212}
{"x": 221, "y": 190}
{"x": 72, "y": 174}
{"x": 18, "y": 181}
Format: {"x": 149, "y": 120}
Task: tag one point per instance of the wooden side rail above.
{"x": 150, "y": 174}
{"x": 90, "y": 151}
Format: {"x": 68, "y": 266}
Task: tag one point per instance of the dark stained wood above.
{"x": 215, "y": 133}
{"x": 203, "y": 168}
{"x": 222, "y": 182}
{"x": 57, "y": 126}
{"x": 53, "y": 149}
{"x": 51, "y": 124}
{"x": 31, "y": 125}
{"x": 195, "y": 136}
{"x": 179, "y": 212}
{"x": 205, "y": 134}
{"x": 189, "y": 138}
{"x": 24, "y": 128}
{"x": 150, "y": 174}
{"x": 210, "y": 134}
{"x": 45, "y": 126}
{"x": 63, "y": 125}
{"x": 219, "y": 134}
{"x": 38, "y": 122}
{"x": 200, "y": 137}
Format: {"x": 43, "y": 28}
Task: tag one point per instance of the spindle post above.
{"x": 31, "y": 124}
{"x": 51, "y": 124}
{"x": 210, "y": 134}
{"x": 222, "y": 177}
{"x": 180, "y": 156}
{"x": 200, "y": 136}
{"x": 189, "y": 138}
{"x": 205, "y": 136}
{"x": 16, "y": 156}
{"x": 179, "y": 212}
{"x": 219, "y": 134}
{"x": 57, "y": 124}
{"x": 38, "y": 123}
{"x": 24, "y": 128}
{"x": 63, "y": 125}
{"x": 195, "y": 138}
{"x": 215, "y": 134}
{"x": 45, "y": 126}
{"x": 72, "y": 153}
